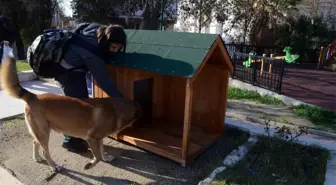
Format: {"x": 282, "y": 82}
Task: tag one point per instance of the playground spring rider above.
{"x": 289, "y": 58}
{"x": 249, "y": 61}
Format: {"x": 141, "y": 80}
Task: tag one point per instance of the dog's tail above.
{"x": 9, "y": 81}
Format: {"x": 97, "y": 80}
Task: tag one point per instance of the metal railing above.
{"x": 264, "y": 72}
{"x": 308, "y": 55}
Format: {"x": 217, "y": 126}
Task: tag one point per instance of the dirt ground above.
{"x": 131, "y": 166}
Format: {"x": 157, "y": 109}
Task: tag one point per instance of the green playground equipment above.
{"x": 249, "y": 61}
{"x": 289, "y": 58}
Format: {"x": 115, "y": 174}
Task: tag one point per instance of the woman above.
{"x": 109, "y": 39}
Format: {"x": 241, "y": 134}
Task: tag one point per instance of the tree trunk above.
{"x": 151, "y": 15}
{"x": 245, "y": 31}
{"x": 200, "y": 17}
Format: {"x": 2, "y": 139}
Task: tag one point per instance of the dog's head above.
{"x": 133, "y": 112}
{"x": 137, "y": 112}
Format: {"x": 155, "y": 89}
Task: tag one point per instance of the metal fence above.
{"x": 264, "y": 72}
{"x": 308, "y": 55}
{"x": 242, "y": 48}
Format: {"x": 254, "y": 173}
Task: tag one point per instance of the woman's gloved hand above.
{"x": 6, "y": 50}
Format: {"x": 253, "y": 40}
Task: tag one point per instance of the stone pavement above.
{"x": 10, "y": 106}
{"x": 249, "y": 110}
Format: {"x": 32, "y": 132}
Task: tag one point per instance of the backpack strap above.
{"x": 78, "y": 40}
{"x": 81, "y": 42}
{"x": 80, "y": 27}
{"x": 1, "y": 53}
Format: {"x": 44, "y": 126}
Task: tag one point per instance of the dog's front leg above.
{"x": 36, "y": 155}
{"x": 106, "y": 158}
{"x": 95, "y": 148}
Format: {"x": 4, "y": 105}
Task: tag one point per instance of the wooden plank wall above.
{"x": 174, "y": 89}
{"x": 210, "y": 94}
{"x": 207, "y": 99}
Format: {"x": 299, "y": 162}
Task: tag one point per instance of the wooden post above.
{"x": 262, "y": 64}
{"x": 270, "y": 65}
{"x": 320, "y": 60}
{"x": 95, "y": 89}
{"x": 223, "y": 98}
{"x": 187, "y": 120}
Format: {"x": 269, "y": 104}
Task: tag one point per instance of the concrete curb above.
{"x": 264, "y": 92}
{"x": 46, "y": 80}
{"x": 7, "y": 179}
{"x": 10, "y": 117}
{"x": 322, "y": 133}
{"x": 233, "y": 158}
{"x": 330, "y": 176}
{"x": 25, "y": 76}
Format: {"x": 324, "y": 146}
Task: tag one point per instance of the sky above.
{"x": 66, "y": 4}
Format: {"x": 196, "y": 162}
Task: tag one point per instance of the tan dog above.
{"x": 91, "y": 119}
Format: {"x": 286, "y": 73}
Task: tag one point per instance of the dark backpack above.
{"x": 45, "y": 54}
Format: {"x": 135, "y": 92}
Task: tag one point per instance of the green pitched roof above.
{"x": 166, "y": 53}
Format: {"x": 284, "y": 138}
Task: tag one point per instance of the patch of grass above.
{"x": 318, "y": 116}
{"x": 240, "y": 94}
{"x": 259, "y": 111}
{"x": 290, "y": 164}
{"x": 275, "y": 119}
{"x": 286, "y": 121}
{"x": 22, "y": 66}
{"x": 13, "y": 121}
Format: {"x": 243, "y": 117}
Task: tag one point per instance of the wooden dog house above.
{"x": 181, "y": 80}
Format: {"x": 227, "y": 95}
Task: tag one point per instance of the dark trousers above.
{"x": 73, "y": 84}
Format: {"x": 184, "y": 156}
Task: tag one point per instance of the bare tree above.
{"x": 321, "y": 8}
{"x": 100, "y": 11}
{"x": 152, "y": 11}
{"x": 201, "y": 11}
{"x": 313, "y": 6}
{"x": 251, "y": 17}
{"x": 331, "y": 15}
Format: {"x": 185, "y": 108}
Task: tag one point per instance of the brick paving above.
{"x": 317, "y": 87}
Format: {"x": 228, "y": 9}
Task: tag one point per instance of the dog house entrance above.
{"x": 143, "y": 93}
{"x": 162, "y": 135}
